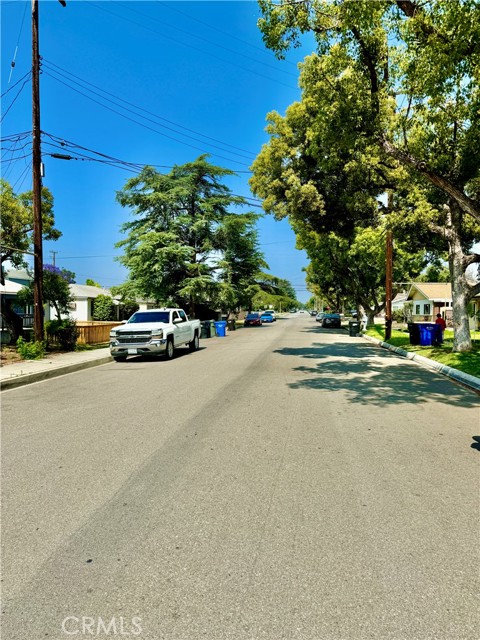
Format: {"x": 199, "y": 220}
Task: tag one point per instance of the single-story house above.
{"x": 430, "y": 298}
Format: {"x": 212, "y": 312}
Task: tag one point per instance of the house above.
{"x": 430, "y": 298}
{"x": 84, "y": 296}
{"x": 16, "y": 279}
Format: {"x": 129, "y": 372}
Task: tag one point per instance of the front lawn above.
{"x": 466, "y": 362}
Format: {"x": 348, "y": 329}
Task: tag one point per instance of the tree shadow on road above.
{"x": 370, "y": 375}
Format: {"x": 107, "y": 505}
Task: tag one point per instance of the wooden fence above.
{"x": 94, "y": 332}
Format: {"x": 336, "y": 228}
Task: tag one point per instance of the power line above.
{"x": 144, "y": 125}
{"x": 133, "y": 165}
{"x": 14, "y": 100}
{"x": 149, "y": 119}
{"x": 143, "y": 26}
{"x": 14, "y": 85}
{"x": 215, "y": 44}
{"x": 175, "y": 124}
{"x": 210, "y": 26}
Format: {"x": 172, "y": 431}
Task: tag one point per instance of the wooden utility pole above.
{"x": 37, "y": 180}
{"x": 388, "y": 276}
{"x": 37, "y": 183}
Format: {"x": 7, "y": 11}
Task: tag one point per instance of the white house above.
{"x": 430, "y": 298}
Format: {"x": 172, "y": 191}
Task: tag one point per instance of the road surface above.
{"x": 285, "y": 482}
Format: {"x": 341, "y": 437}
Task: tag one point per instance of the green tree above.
{"x": 103, "y": 308}
{"x": 240, "y": 263}
{"x": 171, "y": 245}
{"x": 391, "y": 97}
{"x": 16, "y": 224}
{"x": 56, "y": 290}
{"x": 351, "y": 272}
{"x": 92, "y": 283}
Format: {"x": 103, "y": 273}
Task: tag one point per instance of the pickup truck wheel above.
{"x": 120, "y": 358}
{"x": 194, "y": 345}
{"x": 170, "y": 350}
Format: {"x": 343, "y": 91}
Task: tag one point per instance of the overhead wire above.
{"x": 15, "y": 84}
{"x": 12, "y": 64}
{"x": 215, "y": 44}
{"x": 142, "y": 124}
{"x": 14, "y": 100}
{"x": 170, "y": 7}
{"x": 69, "y": 73}
{"x": 143, "y": 26}
{"x": 50, "y": 71}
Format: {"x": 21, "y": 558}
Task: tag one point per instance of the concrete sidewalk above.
{"x": 28, "y": 371}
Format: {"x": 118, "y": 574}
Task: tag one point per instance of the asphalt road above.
{"x": 285, "y": 482}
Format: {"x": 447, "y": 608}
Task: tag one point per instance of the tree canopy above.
{"x": 390, "y": 103}
{"x": 185, "y": 245}
{"x": 16, "y": 224}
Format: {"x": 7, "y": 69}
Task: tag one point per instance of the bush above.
{"x": 103, "y": 308}
{"x": 31, "y": 350}
{"x": 62, "y": 332}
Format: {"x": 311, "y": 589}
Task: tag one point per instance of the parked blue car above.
{"x": 267, "y": 317}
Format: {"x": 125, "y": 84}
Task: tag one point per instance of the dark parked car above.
{"x": 332, "y": 320}
{"x": 252, "y": 320}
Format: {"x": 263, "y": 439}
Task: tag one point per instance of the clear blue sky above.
{"x": 194, "y": 78}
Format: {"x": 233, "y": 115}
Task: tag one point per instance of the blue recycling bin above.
{"x": 221, "y": 328}
{"x": 430, "y": 334}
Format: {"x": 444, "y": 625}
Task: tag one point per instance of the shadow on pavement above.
{"x": 476, "y": 443}
{"x": 371, "y": 376}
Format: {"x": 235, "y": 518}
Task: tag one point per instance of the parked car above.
{"x": 320, "y": 316}
{"x": 332, "y": 320}
{"x": 267, "y": 317}
{"x": 252, "y": 320}
{"x": 154, "y": 332}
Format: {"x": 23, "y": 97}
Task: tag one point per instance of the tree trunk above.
{"x": 461, "y": 339}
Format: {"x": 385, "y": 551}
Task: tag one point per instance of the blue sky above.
{"x": 188, "y": 77}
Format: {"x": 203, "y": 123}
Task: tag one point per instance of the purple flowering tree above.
{"x": 56, "y": 291}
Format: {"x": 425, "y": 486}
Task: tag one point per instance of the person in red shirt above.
{"x": 441, "y": 322}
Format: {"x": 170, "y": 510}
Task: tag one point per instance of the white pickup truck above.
{"x": 154, "y": 332}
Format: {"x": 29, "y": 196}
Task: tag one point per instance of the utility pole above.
{"x": 388, "y": 275}
{"x": 37, "y": 183}
{"x": 53, "y": 254}
{"x": 37, "y": 180}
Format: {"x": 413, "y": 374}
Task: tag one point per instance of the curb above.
{"x": 472, "y": 382}
{"x": 38, "y": 376}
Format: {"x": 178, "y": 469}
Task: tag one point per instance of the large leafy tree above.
{"x": 352, "y": 271}
{"x": 391, "y": 97}
{"x": 240, "y": 262}
{"x": 172, "y": 246}
{"x": 16, "y": 224}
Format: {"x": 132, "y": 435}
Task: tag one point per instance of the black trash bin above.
{"x": 414, "y": 331}
{"x": 232, "y": 325}
{"x": 205, "y": 329}
{"x": 353, "y": 328}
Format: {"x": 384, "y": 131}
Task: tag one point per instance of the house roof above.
{"x": 18, "y": 274}
{"x": 10, "y": 287}
{"x": 432, "y": 290}
{"x": 88, "y": 291}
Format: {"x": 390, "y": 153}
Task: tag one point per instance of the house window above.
{"x": 426, "y": 309}
{"x": 417, "y": 309}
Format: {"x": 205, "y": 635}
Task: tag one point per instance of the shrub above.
{"x": 30, "y": 350}
{"x": 103, "y": 308}
{"x": 63, "y": 332}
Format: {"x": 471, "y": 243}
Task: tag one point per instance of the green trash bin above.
{"x": 205, "y": 329}
{"x": 354, "y": 328}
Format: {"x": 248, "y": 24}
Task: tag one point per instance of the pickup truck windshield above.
{"x": 150, "y": 316}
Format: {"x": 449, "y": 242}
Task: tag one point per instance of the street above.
{"x": 285, "y": 482}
